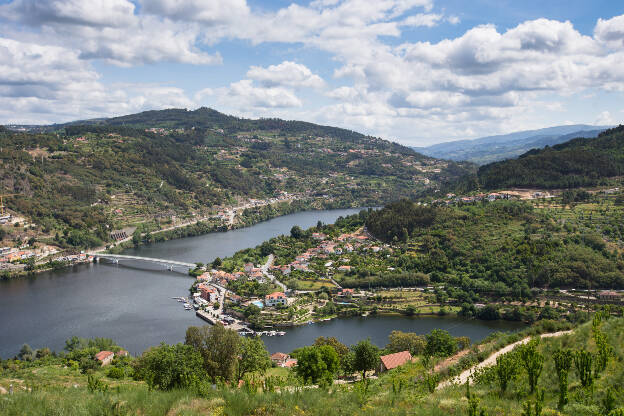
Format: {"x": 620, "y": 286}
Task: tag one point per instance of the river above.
{"x": 131, "y": 303}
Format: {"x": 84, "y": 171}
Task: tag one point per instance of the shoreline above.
{"x": 170, "y": 234}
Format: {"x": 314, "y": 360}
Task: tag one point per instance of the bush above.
{"x": 116, "y": 373}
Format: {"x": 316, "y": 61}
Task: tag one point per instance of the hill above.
{"x": 494, "y": 148}
{"x": 575, "y": 163}
{"x": 78, "y": 181}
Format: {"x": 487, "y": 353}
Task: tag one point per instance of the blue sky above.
{"x": 413, "y": 71}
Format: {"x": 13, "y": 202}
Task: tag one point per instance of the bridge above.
{"x": 115, "y": 258}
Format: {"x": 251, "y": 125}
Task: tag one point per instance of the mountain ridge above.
{"x": 499, "y": 147}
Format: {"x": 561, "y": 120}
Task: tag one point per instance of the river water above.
{"x": 131, "y": 302}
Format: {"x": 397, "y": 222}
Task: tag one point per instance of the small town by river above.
{"x": 132, "y": 303}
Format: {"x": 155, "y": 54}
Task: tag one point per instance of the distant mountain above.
{"x": 494, "y": 148}
{"x": 575, "y": 163}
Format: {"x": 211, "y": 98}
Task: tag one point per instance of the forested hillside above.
{"x": 504, "y": 247}
{"x": 576, "y": 163}
{"x": 81, "y": 180}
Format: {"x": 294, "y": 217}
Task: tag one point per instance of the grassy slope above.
{"x": 63, "y": 391}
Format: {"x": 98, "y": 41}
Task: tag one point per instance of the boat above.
{"x": 280, "y": 333}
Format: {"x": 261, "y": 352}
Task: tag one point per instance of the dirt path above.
{"x": 491, "y": 360}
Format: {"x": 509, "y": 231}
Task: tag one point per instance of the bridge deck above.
{"x": 147, "y": 259}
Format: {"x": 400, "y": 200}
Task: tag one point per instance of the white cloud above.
{"x": 243, "y": 95}
{"x": 74, "y": 12}
{"x": 604, "y": 119}
{"x": 287, "y": 73}
{"x": 422, "y": 19}
{"x": 44, "y": 84}
{"x": 212, "y": 12}
{"x": 611, "y": 31}
{"x": 109, "y": 30}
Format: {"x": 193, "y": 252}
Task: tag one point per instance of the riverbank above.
{"x": 255, "y": 215}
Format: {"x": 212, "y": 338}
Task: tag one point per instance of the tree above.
{"x": 366, "y": 357}
{"x": 296, "y": 232}
{"x": 506, "y": 370}
{"x": 583, "y": 362}
{"x": 532, "y": 361}
{"x": 216, "y": 263}
{"x": 169, "y": 366}
{"x": 563, "y": 362}
{"x": 253, "y": 357}
{"x": 317, "y": 364}
{"x": 440, "y": 343}
{"x": 136, "y": 237}
{"x": 219, "y": 348}
{"x": 26, "y": 353}
{"x": 406, "y": 341}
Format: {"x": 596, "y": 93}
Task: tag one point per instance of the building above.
{"x": 609, "y": 295}
{"x": 390, "y": 361}
{"x": 280, "y": 359}
{"x": 208, "y": 293}
{"x": 105, "y": 357}
{"x": 275, "y": 298}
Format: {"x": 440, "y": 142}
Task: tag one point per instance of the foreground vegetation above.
{"x": 178, "y": 380}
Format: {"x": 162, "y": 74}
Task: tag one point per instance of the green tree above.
{"x": 216, "y": 263}
{"x": 219, "y": 347}
{"x": 532, "y": 361}
{"x": 317, "y": 364}
{"x": 406, "y": 341}
{"x": 583, "y": 362}
{"x": 136, "y": 237}
{"x": 506, "y": 370}
{"x": 169, "y": 366}
{"x": 563, "y": 362}
{"x": 26, "y": 353}
{"x": 440, "y": 343}
{"x": 253, "y": 357}
{"x": 296, "y": 232}
{"x": 366, "y": 357}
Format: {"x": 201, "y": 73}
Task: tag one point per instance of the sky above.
{"x": 417, "y": 72}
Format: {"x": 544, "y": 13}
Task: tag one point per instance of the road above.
{"x": 491, "y": 360}
{"x": 273, "y": 279}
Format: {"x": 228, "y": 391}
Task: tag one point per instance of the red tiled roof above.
{"x": 279, "y": 356}
{"x": 291, "y": 362}
{"x": 102, "y": 355}
{"x": 391, "y": 361}
{"x": 275, "y": 295}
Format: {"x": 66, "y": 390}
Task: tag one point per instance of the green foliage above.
{"x": 532, "y": 361}
{"x": 440, "y": 343}
{"x": 406, "y": 341}
{"x": 317, "y": 364}
{"x": 534, "y": 408}
{"x": 219, "y": 348}
{"x": 563, "y": 361}
{"x": 366, "y": 357}
{"x": 576, "y": 163}
{"x": 583, "y": 362}
{"x": 253, "y": 357}
{"x": 96, "y": 385}
{"x": 506, "y": 369}
{"x": 115, "y": 373}
{"x": 399, "y": 219}
{"x": 168, "y": 367}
